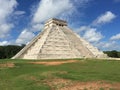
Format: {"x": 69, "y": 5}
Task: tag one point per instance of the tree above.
{"x": 113, "y": 53}
{"x": 2, "y": 54}
{"x": 118, "y": 54}
{"x": 9, "y": 51}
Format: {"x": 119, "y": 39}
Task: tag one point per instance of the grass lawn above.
{"x": 24, "y": 75}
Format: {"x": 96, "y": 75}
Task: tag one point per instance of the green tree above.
{"x": 9, "y": 51}
{"x": 118, "y": 54}
{"x": 113, "y": 53}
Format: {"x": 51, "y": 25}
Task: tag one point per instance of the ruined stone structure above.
{"x": 57, "y": 41}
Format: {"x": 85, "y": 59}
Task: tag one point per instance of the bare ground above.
{"x": 56, "y": 83}
{"x": 55, "y": 62}
{"x": 10, "y": 65}
{"x": 63, "y": 84}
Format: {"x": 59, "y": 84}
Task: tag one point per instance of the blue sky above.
{"x": 97, "y": 21}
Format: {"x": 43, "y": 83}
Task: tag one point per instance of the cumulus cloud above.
{"x": 104, "y": 18}
{"x": 108, "y": 45}
{"x": 4, "y": 29}
{"x": 4, "y": 43}
{"x": 19, "y": 12}
{"x": 25, "y": 36}
{"x": 82, "y": 30}
{"x": 115, "y": 37}
{"x": 51, "y": 8}
{"x": 92, "y": 35}
{"x": 37, "y": 27}
{"x": 6, "y": 9}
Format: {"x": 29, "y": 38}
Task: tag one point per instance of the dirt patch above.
{"x": 55, "y": 62}
{"x": 63, "y": 84}
{"x": 92, "y": 86}
{"x": 32, "y": 78}
{"x": 4, "y": 65}
{"x": 57, "y": 84}
{"x": 51, "y": 73}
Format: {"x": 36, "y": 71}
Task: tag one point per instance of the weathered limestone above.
{"x": 57, "y": 41}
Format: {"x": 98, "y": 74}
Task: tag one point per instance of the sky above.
{"x": 97, "y": 21}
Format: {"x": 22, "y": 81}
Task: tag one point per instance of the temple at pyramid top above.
{"x": 58, "y": 41}
{"x": 55, "y": 21}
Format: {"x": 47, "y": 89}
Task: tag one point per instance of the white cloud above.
{"x": 6, "y": 9}
{"x": 82, "y": 29}
{"x": 57, "y": 8}
{"x": 51, "y": 8}
{"x": 19, "y": 12}
{"x": 92, "y": 35}
{"x": 25, "y": 36}
{"x": 4, "y": 29}
{"x": 4, "y": 43}
{"x": 115, "y": 37}
{"x": 109, "y": 45}
{"x": 104, "y": 18}
{"x": 37, "y": 27}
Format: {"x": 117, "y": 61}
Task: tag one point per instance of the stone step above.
{"x": 57, "y": 43}
{"x": 56, "y": 38}
{"x": 56, "y": 48}
{"x": 55, "y": 56}
{"x": 55, "y": 52}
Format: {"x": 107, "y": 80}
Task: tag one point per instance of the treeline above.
{"x": 9, "y": 51}
{"x": 114, "y": 53}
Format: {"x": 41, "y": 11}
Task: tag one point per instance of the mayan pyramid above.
{"x": 58, "y": 41}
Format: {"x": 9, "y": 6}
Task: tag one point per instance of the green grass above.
{"x": 26, "y": 76}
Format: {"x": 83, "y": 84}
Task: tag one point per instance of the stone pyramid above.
{"x": 57, "y": 41}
